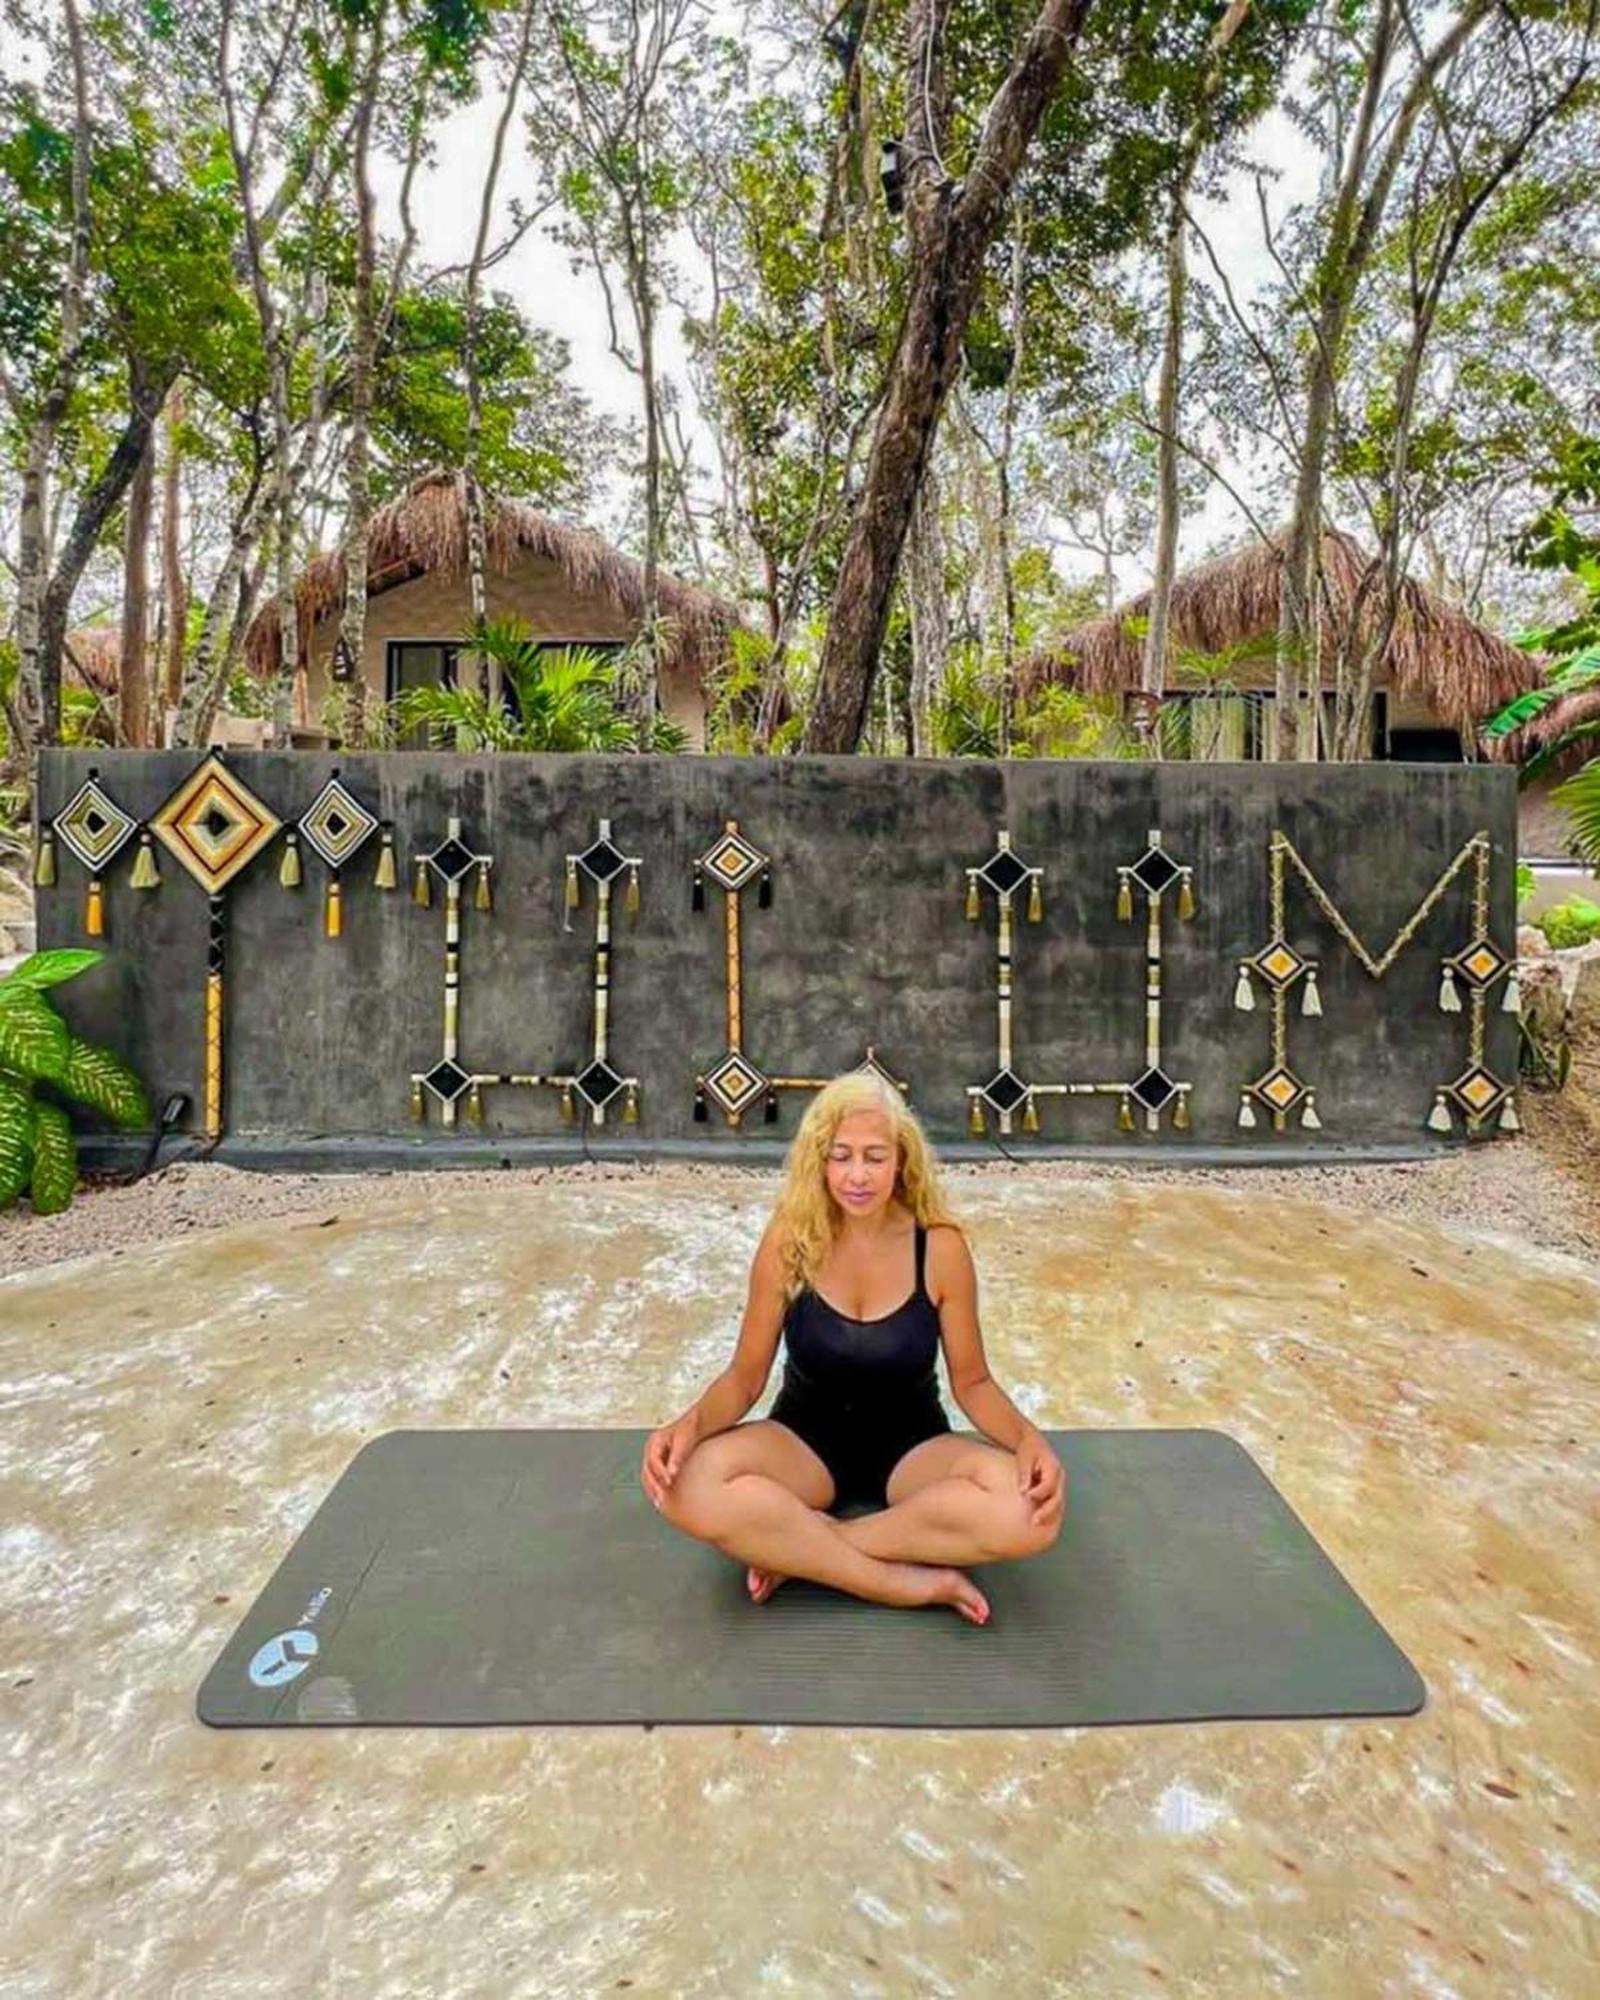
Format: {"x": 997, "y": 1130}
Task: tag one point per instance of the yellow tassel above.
{"x": 94, "y": 918}
{"x": 1439, "y": 1116}
{"x": 1124, "y": 1114}
{"x": 44, "y": 868}
{"x": 572, "y": 883}
{"x": 421, "y": 895}
{"x": 384, "y": 879}
{"x": 416, "y": 1101}
{"x": 335, "y": 912}
{"x": 1449, "y": 998}
{"x": 1185, "y": 898}
{"x": 630, "y": 1107}
{"x": 975, "y": 1119}
{"x": 481, "y": 898}
{"x": 973, "y": 906}
{"x": 289, "y": 867}
{"x": 569, "y": 1109}
{"x": 475, "y": 1105}
{"x": 1244, "y": 994}
{"x": 1180, "y": 1117}
{"x": 1311, "y": 998}
{"x": 1035, "y": 900}
{"x": 1247, "y": 1116}
{"x": 630, "y": 901}
{"x": 1030, "y": 1116}
{"x": 1125, "y": 900}
{"x": 145, "y": 873}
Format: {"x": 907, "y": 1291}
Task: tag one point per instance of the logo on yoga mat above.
{"x": 283, "y": 1658}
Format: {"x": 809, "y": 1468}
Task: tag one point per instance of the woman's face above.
{"x": 862, "y": 1164}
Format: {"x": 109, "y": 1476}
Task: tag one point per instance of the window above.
{"x": 416, "y": 663}
{"x": 1241, "y": 727}
{"x": 1425, "y": 746}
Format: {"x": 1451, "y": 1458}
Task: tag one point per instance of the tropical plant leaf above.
{"x": 16, "y": 1136}
{"x": 1580, "y": 796}
{"x": 33, "y": 1036}
{"x": 47, "y": 968}
{"x": 97, "y": 1077}
{"x": 55, "y": 1160}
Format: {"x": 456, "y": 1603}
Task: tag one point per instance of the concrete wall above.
{"x": 865, "y": 939}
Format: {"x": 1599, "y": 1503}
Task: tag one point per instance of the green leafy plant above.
{"x": 37, "y": 1150}
{"x": 1575, "y": 921}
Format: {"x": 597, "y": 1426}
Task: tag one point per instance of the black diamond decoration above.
{"x": 1153, "y": 1089}
{"x": 1156, "y": 871}
{"x": 599, "y": 1083}
{"x": 216, "y": 822}
{"x": 93, "y": 821}
{"x": 602, "y": 861}
{"x": 336, "y": 824}
{"x": 447, "y": 1080}
{"x": 1005, "y": 1091}
{"x": 453, "y": 860}
{"x": 1005, "y": 871}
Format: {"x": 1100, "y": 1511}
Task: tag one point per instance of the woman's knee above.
{"x": 1018, "y": 1533}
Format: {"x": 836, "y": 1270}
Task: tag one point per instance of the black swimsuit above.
{"x": 862, "y": 1392}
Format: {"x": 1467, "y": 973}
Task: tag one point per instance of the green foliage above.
{"x": 1055, "y": 721}
{"x": 1575, "y": 921}
{"x": 1525, "y": 883}
{"x": 37, "y": 1150}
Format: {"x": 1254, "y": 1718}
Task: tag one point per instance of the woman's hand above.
{"x": 664, "y": 1453}
{"x": 1041, "y": 1479}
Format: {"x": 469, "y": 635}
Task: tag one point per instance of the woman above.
{"x": 863, "y": 1271}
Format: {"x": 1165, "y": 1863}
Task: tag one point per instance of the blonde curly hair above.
{"x": 808, "y": 1218}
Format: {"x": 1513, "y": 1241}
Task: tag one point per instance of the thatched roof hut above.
{"x": 1436, "y": 654}
{"x": 424, "y": 532}
{"x": 1566, "y": 712}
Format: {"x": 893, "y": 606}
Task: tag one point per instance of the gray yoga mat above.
{"x": 524, "y": 1577}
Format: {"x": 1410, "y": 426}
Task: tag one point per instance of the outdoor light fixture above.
{"x": 344, "y": 661}
{"x": 889, "y": 173}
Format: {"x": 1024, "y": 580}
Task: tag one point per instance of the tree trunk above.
{"x": 930, "y": 622}
{"x": 950, "y": 233}
{"x": 358, "y": 496}
{"x": 173, "y": 585}
{"x": 133, "y": 708}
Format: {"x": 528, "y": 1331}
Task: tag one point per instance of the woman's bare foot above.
{"x": 761, "y": 1583}
{"x": 955, "y": 1588}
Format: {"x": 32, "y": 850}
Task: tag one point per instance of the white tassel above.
{"x": 1449, "y": 998}
{"x": 1243, "y": 996}
{"x": 1509, "y": 1121}
{"x": 1309, "y": 1118}
{"x": 1247, "y": 1117}
{"x": 1311, "y": 999}
{"x": 1511, "y": 1001}
{"x": 1439, "y": 1116}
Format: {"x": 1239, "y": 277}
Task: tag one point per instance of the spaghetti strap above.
{"x": 922, "y": 1258}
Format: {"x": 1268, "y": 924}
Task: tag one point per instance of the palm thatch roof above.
{"x": 93, "y": 656}
{"x": 1567, "y": 712}
{"x": 1436, "y": 653}
{"x": 423, "y": 531}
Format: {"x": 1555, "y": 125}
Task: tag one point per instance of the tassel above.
{"x": 335, "y": 914}
{"x": 475, "y": 1106}
{"x": 1449, "y": 998}
{"x": 1311, "y": 998}
{"x": 569, "y": 1109}
{"x": 1511, "y": 1002}
{"x": 289, "y": 867}
{"x": 1124, "y": 1114}
{"x": 699, "y": 1105}
{"x": 1247, "y": 1116}
{"x": 769, "y": 1110}
{"x": 384, "y": 879}
{"x": 1180, "y": 1117}
{"x": 1124, "y": 897}
{"x": 698, "y": 901}
{"x": 1035, "y": 901}
{"x": 1509, "y": 1121}
{"x": 145, "y": 873}
{"x": 1439, "y": 1116}
{"x": 974, "y": 908}
{"x": 765, "y": 896}
{"x": 573, "y": 891}
{"x": 630, "y": 1106}
{"x": 630, "y": 901}
{"x": 416, "y": 1101}
{"x": 1244, "y": 994}
{"x": 44, "y": 869}
{"x": 94, "y": 917}
{"x": 482, "y": 900}
{"x": 1185, "y": 898}
{"x": 975, "y": 1118}
{"x": 1308, "y": 1117}
{"x": 421, "y": 895}
{"x": 1030, "y": 1116}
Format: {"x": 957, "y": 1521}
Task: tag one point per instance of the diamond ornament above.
{"x": 1005, "y": 1090}
{"x": 214, "y": 825}
{"x": 1478, "y": 1090}
{"x": 602, "y": 861}
{"x": 1280, "y": 965}
{"x": 598, "y": 1084}
{"x": 1004, "y": 872}
{"x": 337, "y": 824}
{"x": 1481, "y": 964}
{"x": 1280, "y": 1088}
{"x": 1156, "y": 871}
{"x": 447, "y": 1080}
{"x": 94, "y": 826}
{"x": 732, "y": 861}
{"x": 1154, "y": 1089}
{"x": 735, "y": 1083}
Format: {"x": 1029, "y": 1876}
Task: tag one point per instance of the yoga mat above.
{"x": 523, "y": 1577}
